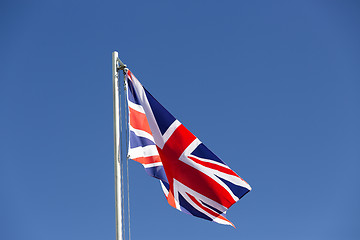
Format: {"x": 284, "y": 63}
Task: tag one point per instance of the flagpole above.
{"x": 116, "y": 66}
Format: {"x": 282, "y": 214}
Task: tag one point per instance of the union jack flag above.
{"x": 194, "y": 179}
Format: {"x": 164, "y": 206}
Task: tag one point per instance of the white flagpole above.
{"x": 117, "y": 149}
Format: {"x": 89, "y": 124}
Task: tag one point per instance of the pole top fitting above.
{"x": 120, "y": 65}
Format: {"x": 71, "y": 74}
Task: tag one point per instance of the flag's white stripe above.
{"x": 146, "y": 151}
{"x": 171, "y": 130}
{"x": 211, "y": 161}
{"x": 141, "y": 133}
{"x": 166, "y": 192}
{"x": 136, "y": 107}
{"x": 231, "y": 178}
{"x": 191, "y": 148}
{"x": 176, "y": 194}
{"x": 152, "y": 165}
{"x": 221, "y": 221}
{"x": 139, "y": 89}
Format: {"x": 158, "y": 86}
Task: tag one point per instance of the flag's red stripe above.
{"x": 171, "y": 200}
{"x": 139, "y": 121}
{"x": 179, "y": 141}
{"x": 148, "y": 160}
{"x": 129, "y": 73}
{"x": 214, "y": 166}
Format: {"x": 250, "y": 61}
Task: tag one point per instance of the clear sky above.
{"x": 272, "y": 87}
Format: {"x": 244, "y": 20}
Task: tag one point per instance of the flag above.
{"x": 194, "y": 179}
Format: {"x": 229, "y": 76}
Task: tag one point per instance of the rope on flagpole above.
{"x": 127, "y": 149}
{"x": 122, "y": 172}
{"x": 121, "y": 65}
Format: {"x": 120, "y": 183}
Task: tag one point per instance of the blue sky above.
{"x": 272, "y": 87}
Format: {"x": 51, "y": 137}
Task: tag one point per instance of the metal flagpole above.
{"x": 116, "y": 66}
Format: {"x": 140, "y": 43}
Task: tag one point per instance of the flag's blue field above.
{"x": 271, "y": 87}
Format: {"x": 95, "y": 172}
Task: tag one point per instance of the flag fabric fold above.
{"x": 194, "y": 179}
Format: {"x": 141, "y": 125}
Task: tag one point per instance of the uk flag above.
{"x": 194, "y": 179}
